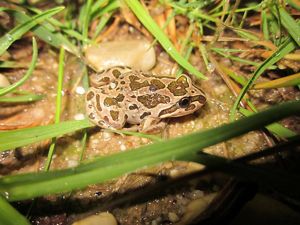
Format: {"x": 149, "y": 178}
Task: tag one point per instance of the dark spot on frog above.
{"x": 133, "y": 106}
{"x": 114, "y": 115}
{"x": 92, "y": 116}
{"x": 135, "y": 85}
{"x": 200, "y": 98}
{"x": 190, "y": 107}
{"x": 116, "y": 73}
{"x": 152, "y": 100}
{"x": 120, "y": 98}
{"x": 158, "y": 84}
{"x": 90, "y": 95}
{"x": 133, "y": 96}
{"x": 123, "y": 82}
{"x": 98, "y": 103}
{"x": 110, "y": 101}
{"x": 90, "y": 106}
{"x": 178, "y": 87}
{"x": 104, "y": 80}
{"x": 168, "y": 110}
{"x": 106, "y": 119}
{"x": 145, "y": 114}
{"x": 101, "y": 123}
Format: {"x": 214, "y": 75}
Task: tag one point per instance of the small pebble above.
{"x": 80, "y": 90}
{"x": 79, "y": 116}
{"x": 100, "y": 219}
{"x": 4, "y": 82}
{"x": 173, "y": 217}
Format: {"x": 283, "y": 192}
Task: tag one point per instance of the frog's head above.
{"x": 186, "y": 98}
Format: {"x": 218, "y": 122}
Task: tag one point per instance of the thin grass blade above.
{"x": 17, "y": 32}
{"x": 12, "y": 87}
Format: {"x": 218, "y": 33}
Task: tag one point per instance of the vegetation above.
{"x": 63, "y": 30}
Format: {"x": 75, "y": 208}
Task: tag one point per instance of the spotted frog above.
{"x": 120, "y": 96}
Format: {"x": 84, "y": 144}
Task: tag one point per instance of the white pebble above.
{"x": 80, "y": 90}
{"x": 100, "y": 219}
{"x": 79, "y": 116}
{"x": 173, "y": 217}
{"x": 123, "y": 147}
{"x": 138, "y": 54}
{"x": 4, "y": 82}
{"x": 72, "y": 163}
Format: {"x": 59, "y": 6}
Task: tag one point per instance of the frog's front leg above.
{"x": 152, "y": 125}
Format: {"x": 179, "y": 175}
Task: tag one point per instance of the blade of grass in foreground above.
{"x": 12, "y": 87}
{"x": 17, "y": 32}
{"x": 18, "y": 187}
{"x": 155, "y": 30}
{"x": 10, "y": 216}
{"x": 16, "y": 138}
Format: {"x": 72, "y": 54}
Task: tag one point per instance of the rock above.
{"x": 104, "y": 218}
{"x": 4, "y": 82}
{"x": 138, "y": 54}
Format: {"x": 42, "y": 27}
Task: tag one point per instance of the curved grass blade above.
{"x": 21, "y": 98}
{"x": 47, "y": 33}
{"x": 18, "y": 187}
{"x": 10, "y": 88}
{"x": 10, "y": 216}
{"x": 16, "y": 138}
{"x": 286, "y": 47}
{"x": 17, "y": 32}
{"x": 155, "y": 30}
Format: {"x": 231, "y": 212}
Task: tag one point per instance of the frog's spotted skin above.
{"x": 121, "y": 95}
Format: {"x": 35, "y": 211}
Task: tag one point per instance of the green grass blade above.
{"x": 21, "y": 98}
{"x": 12, "y": 64}
{"x": 10, "y": 88}
{"x": 289, "y": 23}
{"x": 155, "y": 30}
{"x": 31, "y": 185}
{"x": 17, "y": 32}
{"x": 10, "y": 216}
{"x": 47, "y": 33}
{"x": 16, "y": 138}
{"x": 286, "y": 47}
{"x": 60, "y": 76}
{"x": 87, "y": 18}
{"x": 275, "y": 128}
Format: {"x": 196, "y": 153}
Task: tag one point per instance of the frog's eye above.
{"x": 184, "y": 102}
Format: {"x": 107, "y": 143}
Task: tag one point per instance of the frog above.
{"x": 121, "y": 96}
